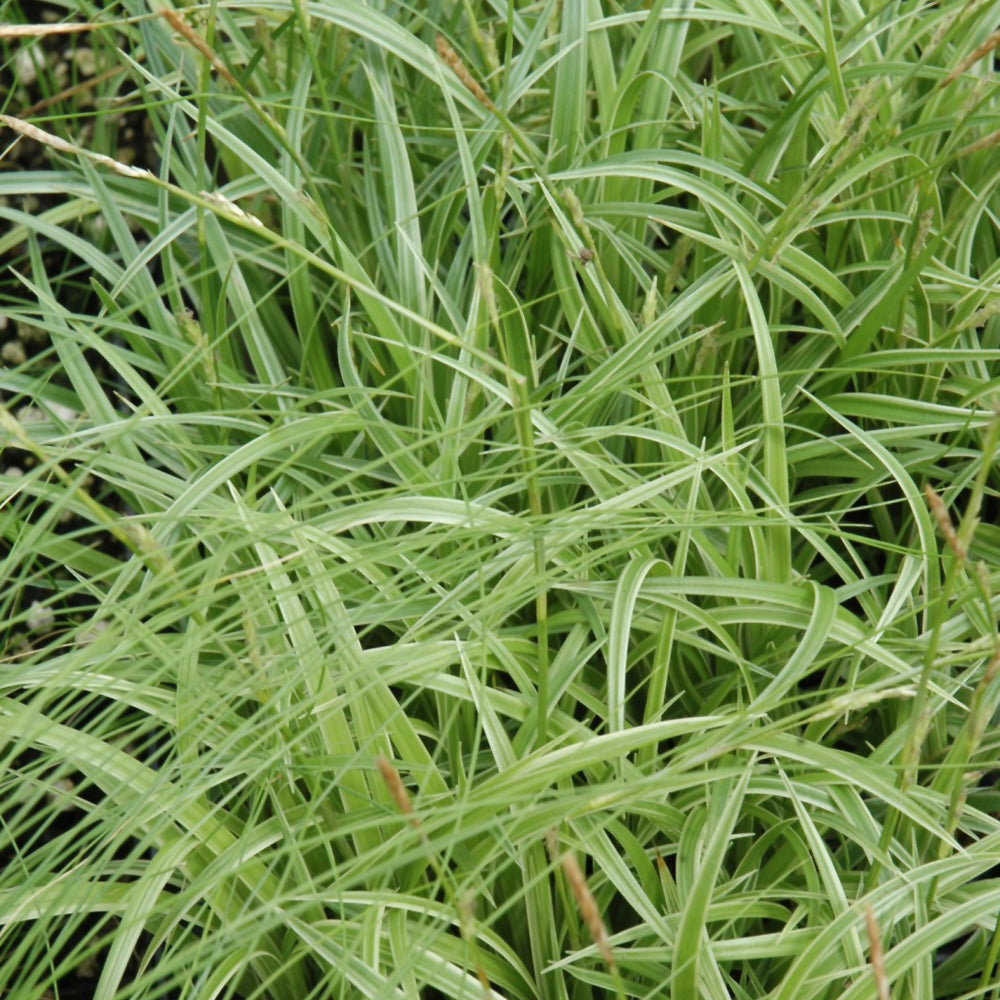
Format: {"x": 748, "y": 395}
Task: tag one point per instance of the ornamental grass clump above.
{"x": 499, "y": 500}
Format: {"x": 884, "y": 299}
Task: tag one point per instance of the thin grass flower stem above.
{"x": 921, "y": 711}
{"x": 461, "y": 901}
{"x": 519, "y": 384}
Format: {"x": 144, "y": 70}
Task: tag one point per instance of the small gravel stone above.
{"x": 86, "y": 61}
{"x": 26, "y": 63}
{"x": 13, "y": 353}
{"x": 31, "y": 415}
{"x": 64, "y": 413}
{"x": 60, "y": 794}
{"x": 89, "y": 634}
{"x": 40, "y": 618}
{"x": 32, "y": 336}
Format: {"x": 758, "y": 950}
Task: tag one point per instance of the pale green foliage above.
{"x": 564, "y": 447}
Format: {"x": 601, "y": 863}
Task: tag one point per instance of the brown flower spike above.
{"x": 396, "y": 789}
{"x": 450, "y": 57}
{"x": 588, "y": 908}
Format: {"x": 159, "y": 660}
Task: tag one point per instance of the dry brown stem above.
{"x": 876, "y": 956}
{"x": 182, "y": 27}
{"x": 974, "y": 56}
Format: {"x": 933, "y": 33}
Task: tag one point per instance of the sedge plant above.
{"x": 500, "y": 500}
